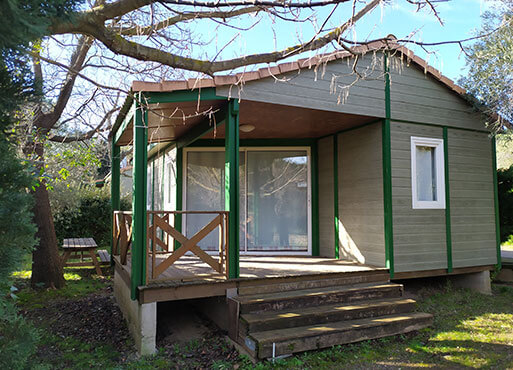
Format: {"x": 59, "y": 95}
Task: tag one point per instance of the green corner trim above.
{"x": 496, "y": 203}
{"x": 314, "y": 174}
{"x": 179, "y": 192}
{"x": 335, "y": 194}
{"x": 232, "y": 186}
{"x": 387, "y": 173}
{"x": 181, "y": 96}
{"x": 138, "y": 273}
{"x": 448, "y": 229}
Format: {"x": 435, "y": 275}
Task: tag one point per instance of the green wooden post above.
{"x": 114, "y": 192}
{"x": 387, "y": 173}
{"x": 231, "y": 184}
{"x": 448, "y": 228}
{"x": 140, "y": 153}
{"x": 314, "y": 169}
{"x": 335, "y": 194}
{"x": 178, "y": 192}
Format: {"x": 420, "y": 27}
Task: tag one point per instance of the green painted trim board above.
{"x": 179, "y": 192}
{"x": 448, "y": 229}
{"x": 232, "y": 186}
{"x": 314, "y": 173}
{"x": 181, "y": 96}
{"x": 387, "y": 174}
{"x": 335, "y": 194}
{"x": 138, "y": 273}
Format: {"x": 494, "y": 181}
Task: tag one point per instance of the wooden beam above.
{"x": 201, "y": 129}
{"x": 138, "y": 274}
{"x": 231, "y": 184}
{"x": 124, "y": 124}
{"x": 181, "y": 96}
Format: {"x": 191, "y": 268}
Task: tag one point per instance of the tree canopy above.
{"x": 490, "y": 62}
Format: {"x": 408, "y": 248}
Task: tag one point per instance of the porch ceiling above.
{"x": 273, "y": 121}
{"x": 170, "y": 121}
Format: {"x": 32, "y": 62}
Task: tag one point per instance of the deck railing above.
{"x": 161, "y": 236}
{"x": 122, "y": 235}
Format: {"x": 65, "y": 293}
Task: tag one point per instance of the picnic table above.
{"x": 80, "y": 245}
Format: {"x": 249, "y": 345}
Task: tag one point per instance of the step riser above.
{"x": 328, "y": 298}
{"x": 336, "y": 315}
{"x": 356, "y": 335}
{"x": 315, "y": 283}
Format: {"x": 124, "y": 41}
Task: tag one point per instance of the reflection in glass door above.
{"x": 277, "y": 202}
{"x": 274, "y": 198}
{"x": 205, "y": 192}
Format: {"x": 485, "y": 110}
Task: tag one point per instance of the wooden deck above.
{"x": 189, "y": 277}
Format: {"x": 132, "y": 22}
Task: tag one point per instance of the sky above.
{"x": 461, "y": 18}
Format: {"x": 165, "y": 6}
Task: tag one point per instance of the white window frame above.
{"x": 438, "y": 144}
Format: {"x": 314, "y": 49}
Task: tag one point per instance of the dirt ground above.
{"x": 185, "y": 339}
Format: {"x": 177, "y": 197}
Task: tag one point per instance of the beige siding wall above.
{"x": 472, "y": 199}
{"x": 322, "y": 88}
{"x": 418, "y": 97}
{"x": 326, "y": 198}
{"x": 419, "y": 234}
{"x": 361, "y": 233}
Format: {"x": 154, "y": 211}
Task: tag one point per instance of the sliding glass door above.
{"x": 277, "y": 201}
{"x": 274, "y": 198}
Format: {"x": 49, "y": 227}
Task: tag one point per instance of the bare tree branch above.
{"x": 87, "y": 135}
{"x": 120, "y": 45}
{"x": 148, "y": 30}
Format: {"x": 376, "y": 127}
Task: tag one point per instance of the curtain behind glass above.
{"x": 277, "y": 217}
{"x": 426, "y": 173}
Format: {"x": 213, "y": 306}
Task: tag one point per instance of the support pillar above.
{"x": 178, "y": 193}
{"x": 140, "y": 153}
{"x": 114, "y": 191}
{"x": 232, "y": 186}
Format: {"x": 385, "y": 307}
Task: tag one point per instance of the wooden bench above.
{"x": 104, "y": 256}
{"x": 81, "y": 245}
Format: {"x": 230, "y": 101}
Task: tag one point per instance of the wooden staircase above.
{"x": 288, "y": 317}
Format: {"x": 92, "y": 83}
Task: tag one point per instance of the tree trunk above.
{"x": 46, "y": 263}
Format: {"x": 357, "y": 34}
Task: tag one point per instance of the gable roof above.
{"x": 305, "y": 63}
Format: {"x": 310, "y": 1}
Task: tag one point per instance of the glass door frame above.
{"x": 243, "y": 248}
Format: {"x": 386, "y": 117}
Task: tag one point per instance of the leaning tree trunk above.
{"x": 46, "y": 264}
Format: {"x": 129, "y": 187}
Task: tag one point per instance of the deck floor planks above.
{"x": 192, "y": 268}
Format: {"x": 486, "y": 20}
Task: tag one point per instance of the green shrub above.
{"x": 505, "y": 189}
{"x": 18, "y": 338}
{"x": 90, "y": 219}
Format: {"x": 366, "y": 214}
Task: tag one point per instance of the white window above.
{"x": 427, "y": 173}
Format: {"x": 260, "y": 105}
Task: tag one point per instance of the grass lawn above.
{"x": 470, "y": 330}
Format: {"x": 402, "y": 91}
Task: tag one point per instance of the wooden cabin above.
{"x": 302, "y": 190}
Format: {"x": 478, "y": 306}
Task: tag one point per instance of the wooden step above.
{"x": 347, "y": 278}
{"x": 317, "y": 296}
{"x": 262, "y": 321}
{"x": 304, "y": 338}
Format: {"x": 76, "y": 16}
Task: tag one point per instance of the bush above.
{"x": 505, "y": 189}
{"x": 18, "y": 338}
{"x": 90, "y": 219}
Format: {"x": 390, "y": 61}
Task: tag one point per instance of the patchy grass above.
{"x": 470, "y": 330}
{"x": 79, "y": 283}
